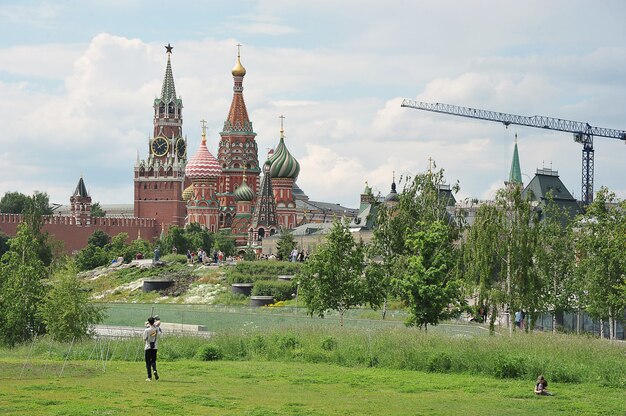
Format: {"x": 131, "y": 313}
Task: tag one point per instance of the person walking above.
{"x": 151, "y": 340}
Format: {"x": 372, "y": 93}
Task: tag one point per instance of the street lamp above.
{"x": 297, "y": 290}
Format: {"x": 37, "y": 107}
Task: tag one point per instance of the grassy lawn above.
{"x": 277, "y": 388}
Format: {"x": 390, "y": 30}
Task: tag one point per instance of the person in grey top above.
{"x": 151, "y": 339}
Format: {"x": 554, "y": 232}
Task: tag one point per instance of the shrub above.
{"x": 174, "y": 258}
{"x": 280, "y": 290}
{"x": 439, "y": 362}
{"x": 288, "y": 342}
{"x": 210, "y": 352}
{"x": 258, "y": 344}
{"x": 509, "y": 367}
{"x": 329, "y": 344}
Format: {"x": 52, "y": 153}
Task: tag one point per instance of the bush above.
{"x": 329, "y": 344}
{"x": 509, "y": 367}
{"x": 439, "y": 362}
{"x": 280, "y": 290}
{"x": 288, "y": 342}
{"x": 209, "y": 352}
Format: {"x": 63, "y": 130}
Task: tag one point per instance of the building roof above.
{"x": 203, "y": 164}
{"x": 515, "y": 176}
{"x": 81, "y": 189}
{"x": 548, "y": 181}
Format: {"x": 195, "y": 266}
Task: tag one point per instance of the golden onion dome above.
{"x": 238, "y": 69}
{"x": 188, "y": 193}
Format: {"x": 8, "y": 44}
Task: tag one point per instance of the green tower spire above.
{"x": 516, "y": 172}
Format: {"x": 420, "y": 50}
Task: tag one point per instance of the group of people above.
{"x": 203, "y": 257}
{"x": 298, "y": 255}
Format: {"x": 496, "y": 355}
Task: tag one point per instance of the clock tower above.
{"x": 160, "y": 178}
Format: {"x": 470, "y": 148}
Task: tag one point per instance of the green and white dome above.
{"x": 244, "y": 193}
{"x": 283, "y": 164}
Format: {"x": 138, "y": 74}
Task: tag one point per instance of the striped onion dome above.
{"x": 203, "y": 164}
{"x": 283, "y": 164}
{"x": 188, "y": 193}
{"x": 244, "y": 192}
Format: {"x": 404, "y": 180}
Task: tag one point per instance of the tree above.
{"x": 4, "y": 243}
{"x": 503, "y": 252}
{"x": 13, "y": 203}
{"x": 402, "y": 239}
{"x": 66, "y": 310}
{"x": 483, "y": 261}
{"x": 601, "y": 238}
{"x": 332, "y": 278}
{"x": 91, "y": 256}
{"x": 99, "y": 239}
{"x": 97, "y": 211}
{"x": 555, "y": 260}
{"x": 198, "y": 237}
{"x": 21, "y": 288}
{"x": 429, "y": 285}
{"x": 285, "y": 245}
{"x": 225, "y": 242}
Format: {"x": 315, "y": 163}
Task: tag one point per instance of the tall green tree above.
{"x": 286, "y": 243}
{"x": 482, "y": 261}
{"x": 13, "y": 203}
{"x": 332, "y": 278}
{"x": 601, "y": 238}
{"x": 4, "y": 243}
{"x": 555, "y": 260}
{"x": 500, "y": 254}
{"x": 429, "y": 285}
{"x": 415, "y": 266}
{"x": 65, "y": 310}
{"x": 21, "y": 288}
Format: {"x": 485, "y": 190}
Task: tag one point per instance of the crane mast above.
{"x": 583, "y": 132}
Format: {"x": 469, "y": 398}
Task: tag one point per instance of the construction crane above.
{"x": 583, "y": 132}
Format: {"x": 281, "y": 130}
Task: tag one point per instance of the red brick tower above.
{"x": 203, "y": 171}
{"x": 80, "y": 203}
{"x": 160, "y": 179}
{"x": 284, "y": 171}
{"x": 237, "y": 150}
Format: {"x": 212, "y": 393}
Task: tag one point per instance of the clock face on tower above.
{"x": 159, "y": 146}
{"x": 181, "y": 147}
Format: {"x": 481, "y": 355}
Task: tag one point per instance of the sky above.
{"x": 78, "y": 79}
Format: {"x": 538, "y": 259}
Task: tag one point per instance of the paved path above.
{"x": 131, "y": 332}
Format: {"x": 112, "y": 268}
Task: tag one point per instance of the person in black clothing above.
{"x": 151, "y": 339}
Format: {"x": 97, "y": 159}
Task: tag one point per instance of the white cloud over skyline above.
{"x": 77, "y": 90}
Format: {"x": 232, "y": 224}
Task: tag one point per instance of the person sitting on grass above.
{"x": 541, "y": 387}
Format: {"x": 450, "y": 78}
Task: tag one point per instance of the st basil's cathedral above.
{"x": 233, "y": 191}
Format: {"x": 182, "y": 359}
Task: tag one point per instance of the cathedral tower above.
{"x": 237, "y": 150}
{"x": 284, "y": 171}
{"x": 203, "y": 171}
{"x": 160, "y": 178}
{"x": 264, "y": 222}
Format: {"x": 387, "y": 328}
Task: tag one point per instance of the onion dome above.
{"x": 244, "y": 193}
{"x": 238, "y": 69}
{"x": 203, "y": 164}
{"x": 393, "y": 195}
{"x": 188, "y": 193}
{"x": 283, "y": 164}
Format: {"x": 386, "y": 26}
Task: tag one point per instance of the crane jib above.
{"x": 583, "y": 132}
{"x": 543, "y": 122}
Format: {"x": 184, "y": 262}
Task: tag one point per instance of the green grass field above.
{"x": 277, "y": 388}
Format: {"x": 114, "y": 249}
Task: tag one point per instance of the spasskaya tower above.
{"x": 160, "y": 178}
